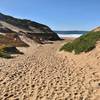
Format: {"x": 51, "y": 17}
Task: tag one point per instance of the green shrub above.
{"x": 67, "y": 47}
{"x": 5, "y": 55}
{"x": 84, "y": 43}
{"x": 6, "y": 51}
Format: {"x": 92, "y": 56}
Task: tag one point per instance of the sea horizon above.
{"x": 75, "y": 34}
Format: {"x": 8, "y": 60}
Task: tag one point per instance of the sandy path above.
{"x": 45, "y": 74}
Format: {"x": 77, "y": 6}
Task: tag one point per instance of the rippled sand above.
{"x": 44, "y": 73}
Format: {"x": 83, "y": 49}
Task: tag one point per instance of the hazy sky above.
{"x": 58, "y": 14}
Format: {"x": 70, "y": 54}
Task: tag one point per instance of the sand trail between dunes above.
{"x": 43, "y": 73}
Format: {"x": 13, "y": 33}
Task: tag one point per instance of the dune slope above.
{"x": 45, "y": 74}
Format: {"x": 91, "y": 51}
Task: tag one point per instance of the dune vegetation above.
{"x": 84, "y": 43}
{"x": 6, "y": 51}
{"x": 3, "y": 53}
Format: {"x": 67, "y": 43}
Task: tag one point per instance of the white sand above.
{"x": 43, "y": 73}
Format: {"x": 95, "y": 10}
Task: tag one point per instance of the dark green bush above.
{"x": 84, "y": 43}
{"x": 6, "y": 51}
{"x": 5, "y": 55}
{"x": 67, "y": 47}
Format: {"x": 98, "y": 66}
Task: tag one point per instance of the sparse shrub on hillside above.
{"x": 5, "y": 55}
{"x": 84, "y": 43}
{"x": 6, "y": 51}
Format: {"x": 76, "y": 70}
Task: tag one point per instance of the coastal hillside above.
{"x": 84, "y": 43}
{"x": 36, "y": 31}
{"x": 9, "y": 37}
{"x": 9, "y": 40}
{"x": 12, "y": 31}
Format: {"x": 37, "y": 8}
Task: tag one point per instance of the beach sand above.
{"x": 44, "y": 73}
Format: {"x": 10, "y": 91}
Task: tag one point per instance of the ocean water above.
{"x": 69, "y": 35}
{"x": 74, "y": 34}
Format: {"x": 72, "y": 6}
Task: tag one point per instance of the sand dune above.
{"x": 44, "y": 73}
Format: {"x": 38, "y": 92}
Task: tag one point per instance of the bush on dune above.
{"x": 84, "y": 43}
{"x": 5, "y": 55}
{"x": 6, "y": 51}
